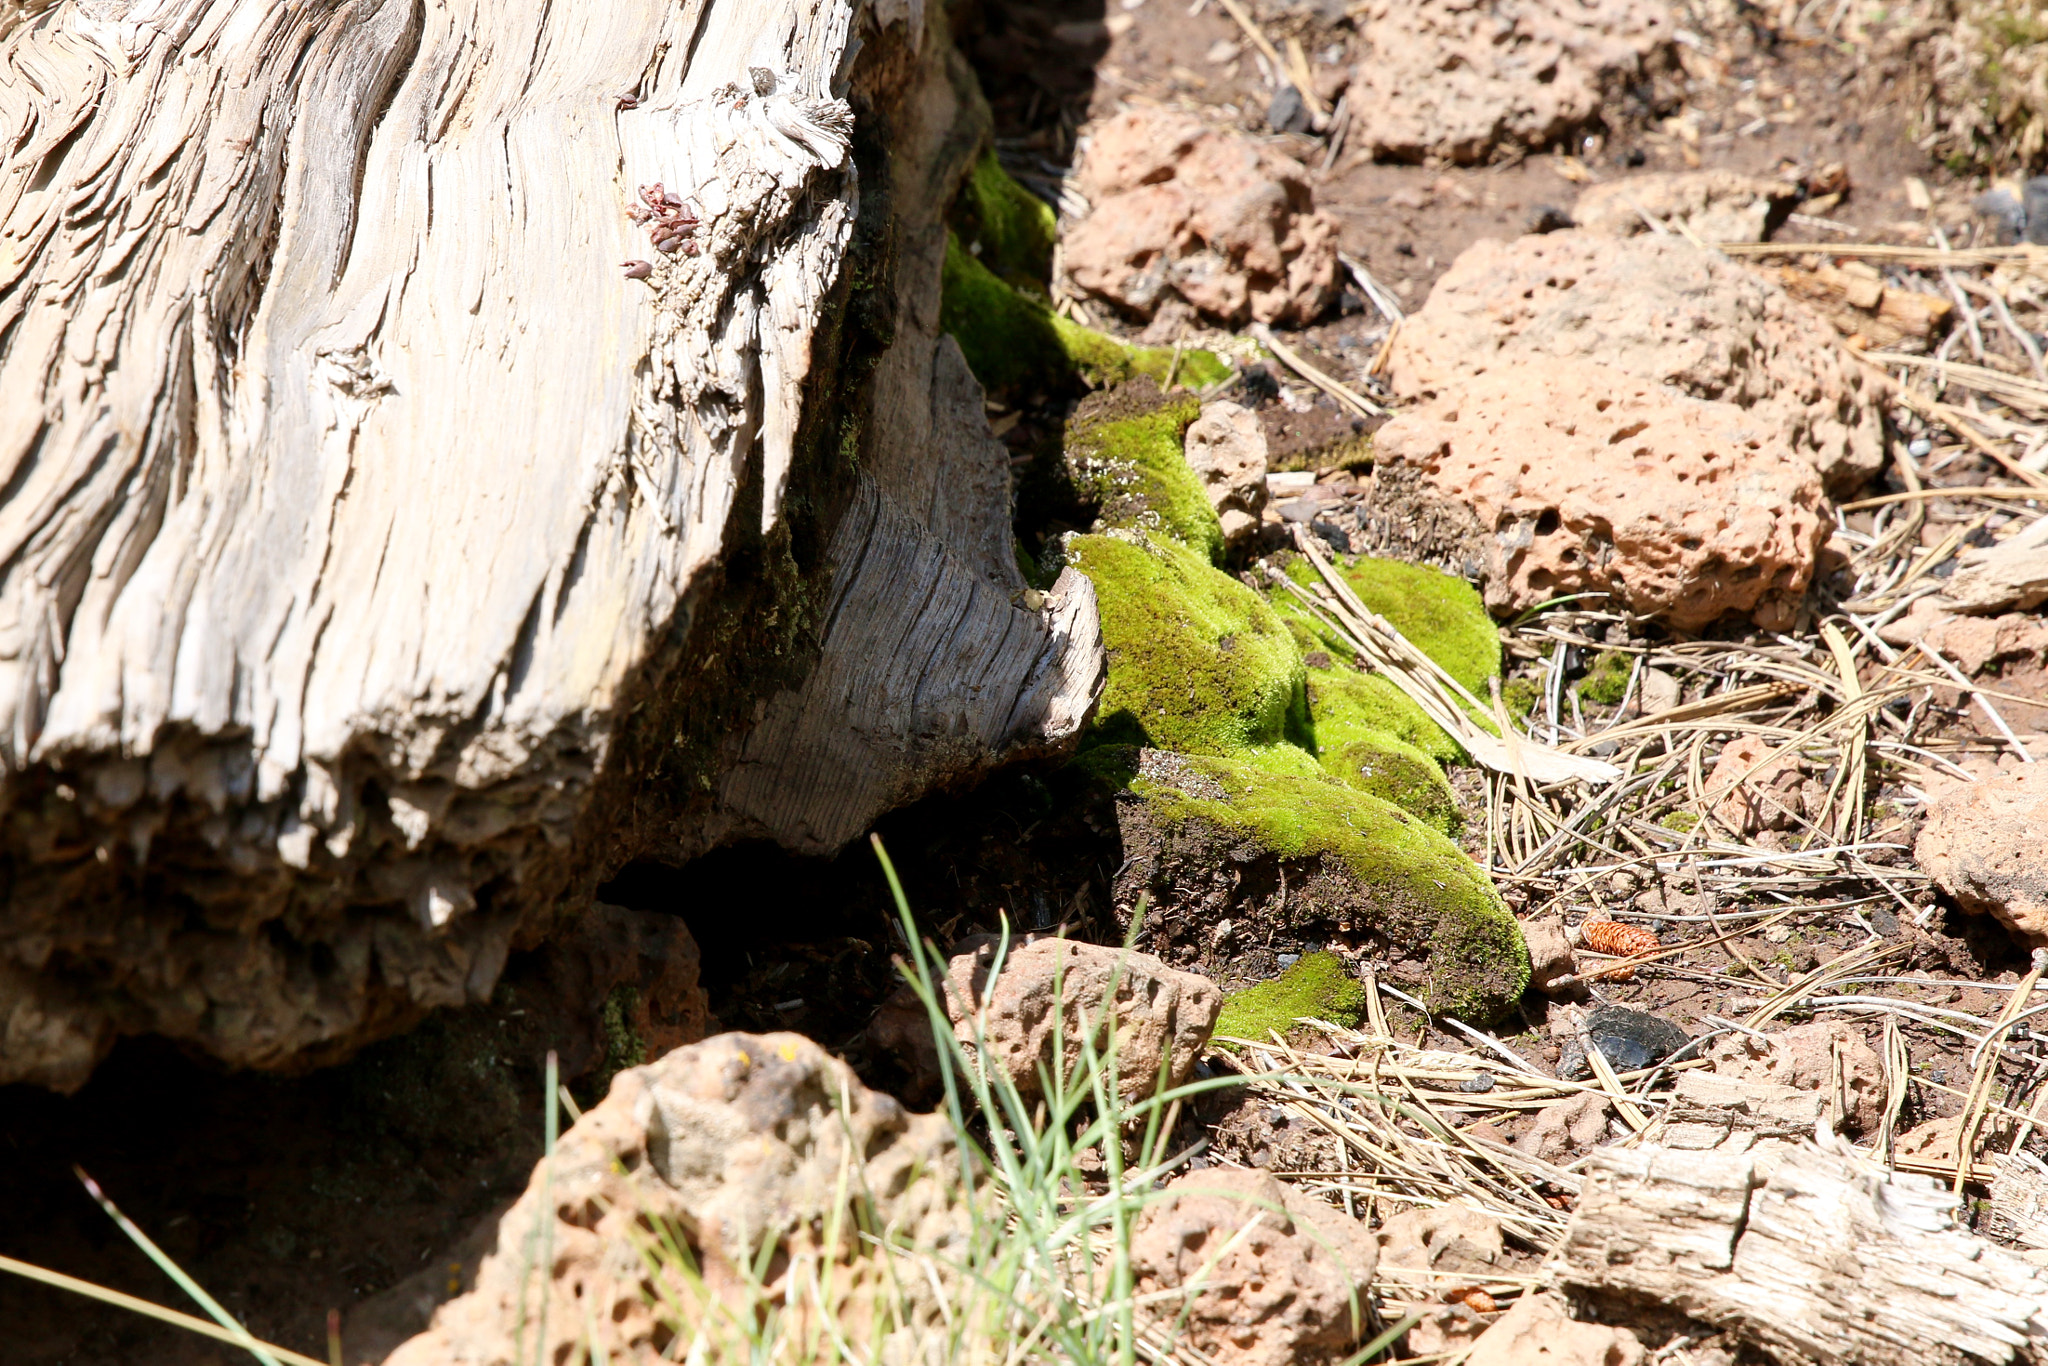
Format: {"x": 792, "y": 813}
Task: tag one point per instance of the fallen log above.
{"x": 451, "y": 451}
{"x": 1809, "y": 1256}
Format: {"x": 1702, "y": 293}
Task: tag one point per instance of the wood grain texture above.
{"x": 1825, "y": 1259}
{"x": 348, "y": 488}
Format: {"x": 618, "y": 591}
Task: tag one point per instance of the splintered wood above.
{"x": 1813, "y": 1257}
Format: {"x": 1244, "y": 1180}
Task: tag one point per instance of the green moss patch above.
{"x": 1016, "y": 344}
{"x": 1198, "y": 663}
{"x": 1339, "y": 859}
{"x": 1383, "y": 767}
{"x": 1606, "y": 680}
{"x": 1009, "y": 228}
{"x": 1124, "y": 457}
{"x": 1318, "y": 987}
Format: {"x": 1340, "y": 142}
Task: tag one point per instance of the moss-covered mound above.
{"x": 1009, "y": 229}
{"x": 1125, "y": 458}
{"x": 1383, "y": 767}
{"x": 1367, "y": 731}
{"x": 1318, "y": 987}
{"x": 1198, "y": 663}
{"x": 1206, "y": 837}
{"x": 1016, "y": 344}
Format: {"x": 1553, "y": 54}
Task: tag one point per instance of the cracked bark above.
{"x": 372, "y": 548}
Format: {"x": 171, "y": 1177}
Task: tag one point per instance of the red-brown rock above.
{"x": 1284, "y": 1293}
{"x": 1984, "y": 845}
{"x": 1659, "y": 309}
{"x": 1225, "y": 223}
{"x": 1465, "y": 80}
{"x": 1582, "y": 478}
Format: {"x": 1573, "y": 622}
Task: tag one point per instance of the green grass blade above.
{"x": 241, "y": 1335}
{"x": 31, "y": 1272}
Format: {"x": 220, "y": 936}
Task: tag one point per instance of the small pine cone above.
{"x": 1623, "y": 941}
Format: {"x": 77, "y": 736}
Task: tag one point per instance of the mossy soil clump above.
{"x": 1366, "y": 730}
{"x": 1197, "y": 662}
{"x": 1124, "y": 458}
{"x": 1318, "y": 986}
{"x": 994, "y": 301}
{"x": 1302, "y": 861}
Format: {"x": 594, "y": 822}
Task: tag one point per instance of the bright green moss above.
{"x": 1015, "y": 343}
{"x": 1317, "y": 987}
{"x": 1606, "y": 681}
{"x": 1346, "y": 706}
{"x": 1014, "y": 229}
{"x": 1521, "y": 696}
{"x": 1131, "y": 468}
{"x": 1420, "y": 891}
{"x": 1198, "y": 663}
{"x": 1684, "y": 822}
{"x": 1383, "y": 767}
{"x": 1368, "y": 732}
{"x": 1441, "y": 614}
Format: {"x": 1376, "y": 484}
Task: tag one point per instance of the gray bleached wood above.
{"x": 353, "y": 496}
{"x": 1817, "y": 1259}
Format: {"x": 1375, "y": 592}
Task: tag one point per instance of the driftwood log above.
{"x": 1824, "y": 1260}
{"x": 382, "y": 564}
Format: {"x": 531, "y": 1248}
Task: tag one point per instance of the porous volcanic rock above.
{"x": 1224, "y": 222}
{"x": 1805, "y": 1057}
{"x": 1716, "y": 206}
{"x": 1660, "y": 309}
{"x": 1466, "y": 80}
{"x": 1226, "y": 446}
{"x": 1283, "y": 1294}
{"x": 1162, "y": 1016}
{"x": 724, "y": 1142}
{"x": 1538, "y": 1331}
{"x": 1584, "y": 478}
{"x": 1983, "y": 843}
{"x": 1455, "y": 1237}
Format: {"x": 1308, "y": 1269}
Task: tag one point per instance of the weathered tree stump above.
{"x": 381, "y": 565}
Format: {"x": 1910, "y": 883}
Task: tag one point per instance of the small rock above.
{"x": 1255, "y": 384}
{"x": 1768, "y": 1106}
{"x": 1538, "y": 1331}
{"x": 1288, "y": 113}
{"x": 2034, "y": 195}
{"x": 1982, "y": 844}
{"x": 1551, "y": 956}
{"x": 1743, "y": 789}
{"x": 1226, "y": 446}
{"x": 1629, "y": 1039}
{"x": 1568, "y": 1127}
{"x": 1477, "y": 1085}
{"x": 1224, "y": 222}
{"x": 1803, "y": 1057}
{"x": 1662, "y": 310}
{"x": 1718, "y": 206}
{"x": 1161, "y": 1015}
{"x": 1660, "y": 691}
{"x": 1578, "y": 477}
{"x": 2006, "y": 210}
{"x": 1549, "y": 218}
{"x": 722, "y": 1140}
{"x": 1454, "y": 1237}
{"x": 1444, "y": 1330}
{"x": 1464, "y": 83}
{"x": 1281, "y": 1295}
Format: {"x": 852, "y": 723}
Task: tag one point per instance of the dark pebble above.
{"x": 1288, "y": 113}
{"x": 1476, "y": 1085}
{"x": 1632, "y": 1039}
